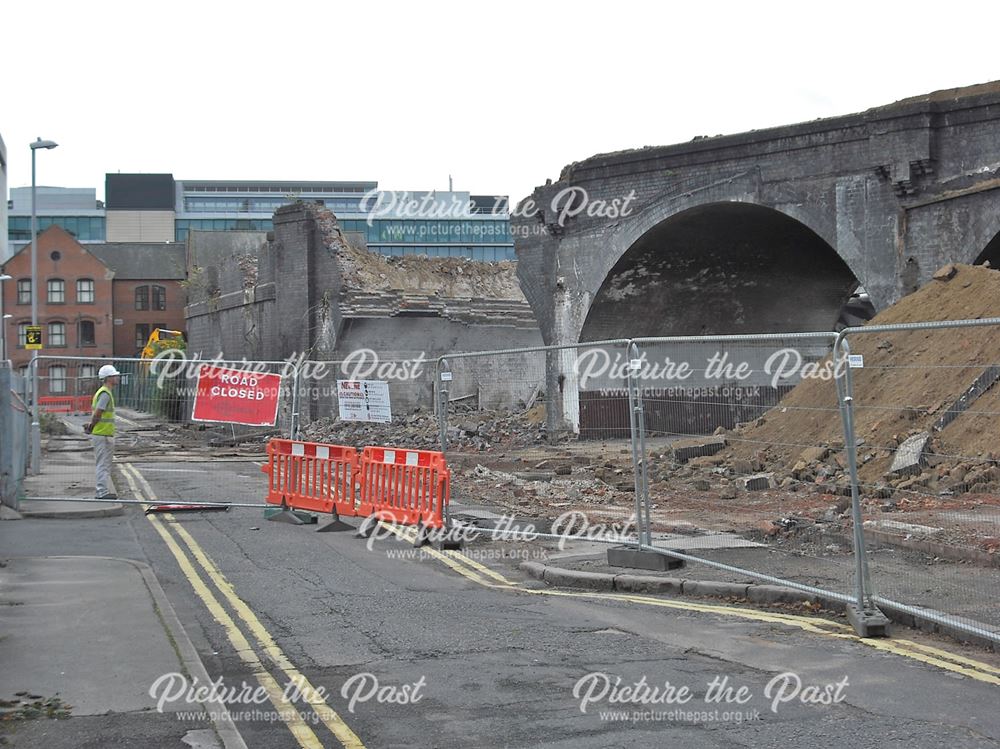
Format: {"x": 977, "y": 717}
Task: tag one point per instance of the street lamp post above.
{"x": 3, "y": 320}
{"x": 3, "y": 337}
{"x": 36, "y": 426}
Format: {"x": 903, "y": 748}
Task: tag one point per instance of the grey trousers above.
{"x": 104, "y": 453}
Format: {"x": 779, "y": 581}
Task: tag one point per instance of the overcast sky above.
{"x": 499, "y": 95}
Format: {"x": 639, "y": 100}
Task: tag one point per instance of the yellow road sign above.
{"x": 33, "y": 337}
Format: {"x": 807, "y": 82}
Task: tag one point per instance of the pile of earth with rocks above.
{"x": 926, "y": 404}
{"x": 469, "y": 430}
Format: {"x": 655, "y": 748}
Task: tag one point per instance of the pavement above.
{"x": 68, "y": 472}
{"x": 87, "y": 636}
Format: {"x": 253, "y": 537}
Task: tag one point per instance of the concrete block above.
{"x": 757, "y": 482}
{"x": 578, "y": 579}
{"x": 982, "y": 383}
{"x": 868, "y": 622}
{"x": 684, "y": 450}
{"x": 910, "y": 456}
{"x": 910, "y": 529}
{"x": 625, "y": 556}
{"x": 648, "y": 584}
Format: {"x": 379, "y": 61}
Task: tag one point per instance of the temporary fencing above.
{"x": 760, "y": 457}
{"x": 407, "y": 378}
{"x": 311, "y": 476}
{"x": 398, "y": 485}
{"x": 405, "y": 486}
{"x": 926, "y": 405}
{"x": 15, "y": 420}
{"x": 155, "y": 407}
{"x": 721, "y": 481}
{"x": 539, "y": 438}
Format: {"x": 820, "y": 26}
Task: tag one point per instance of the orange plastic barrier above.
{"x": 67, "y": 404}
{"x": 404, "y": 486}
{"x": 312, "y": 476}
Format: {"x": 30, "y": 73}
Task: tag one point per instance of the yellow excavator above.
{"x": 162, "y": 339}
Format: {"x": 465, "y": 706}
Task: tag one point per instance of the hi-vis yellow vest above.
{"x": 105, "y": 427}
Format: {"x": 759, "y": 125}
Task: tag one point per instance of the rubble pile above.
{"x": 552, "y": 487}
{"x": 418, "y": 274}
{"x": 469, "y": 430}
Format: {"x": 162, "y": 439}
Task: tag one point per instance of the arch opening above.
{"x": 991, "y": 253}
{"x": 722, "y": 268}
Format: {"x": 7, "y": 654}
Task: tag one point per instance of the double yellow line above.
{"x": 289, "y": 713}
{"x": 953, "y": 662}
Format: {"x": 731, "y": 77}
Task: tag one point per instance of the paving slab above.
{"x": 85, "y": 629}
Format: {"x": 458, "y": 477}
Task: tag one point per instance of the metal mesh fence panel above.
{"x": 16, "y": 421}
{"x": 743, "y": 448}
{"x": 154, "y": 402}
{"x": 542, "y": 435}
{"x": 407, "y": 419}
{"x": 926, "y": 408}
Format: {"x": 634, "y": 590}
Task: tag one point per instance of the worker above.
{"x": 102, "y": 429}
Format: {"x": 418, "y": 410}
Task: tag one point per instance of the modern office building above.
{"x": 158, "y": 208}
{"x": 75, "y": 209}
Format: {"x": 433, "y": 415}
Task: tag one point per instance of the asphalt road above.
{"x": 495, "y": 661}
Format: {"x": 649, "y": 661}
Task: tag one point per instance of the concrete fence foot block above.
{"x": 867, "y": 622}
{"x": 640, "y": 559}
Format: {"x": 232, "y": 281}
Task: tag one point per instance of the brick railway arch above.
{"x": 716, "y": 267}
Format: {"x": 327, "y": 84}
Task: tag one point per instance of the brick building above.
{"x": 96, "y": 301}
{"x": 148, "y": 290}
{"x": 74, "y": 307}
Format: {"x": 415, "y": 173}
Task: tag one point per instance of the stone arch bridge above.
{"x": 766, "y": 231}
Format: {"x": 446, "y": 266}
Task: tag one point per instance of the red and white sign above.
{"x": 234, "y": 396}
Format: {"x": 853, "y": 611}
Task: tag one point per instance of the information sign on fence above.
{"x": 235, "y": 396}
{"x": 33, "y": 337}
{"x": 364, "y": 400}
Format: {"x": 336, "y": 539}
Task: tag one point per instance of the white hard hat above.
{"x": 107, "y": 370}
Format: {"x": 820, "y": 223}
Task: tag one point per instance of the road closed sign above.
{"x": 234, "y": 396}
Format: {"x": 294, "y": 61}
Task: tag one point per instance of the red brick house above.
{"x": 97, "y": 301}
{"x": 74, "y": 308}
{"x": 148, "y": 290}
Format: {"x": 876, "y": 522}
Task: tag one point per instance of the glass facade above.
{"x": 83, "y": 228}
{"x": 416, "y": 231}
{"x": 183, "y": 225}
{"x": 480, "y": 236}
{"x": 264, "y": 204}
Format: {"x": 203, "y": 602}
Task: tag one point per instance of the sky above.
{"x": 500, "y": 96}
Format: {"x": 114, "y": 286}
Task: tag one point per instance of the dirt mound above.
{"x": 909, "y": 382}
